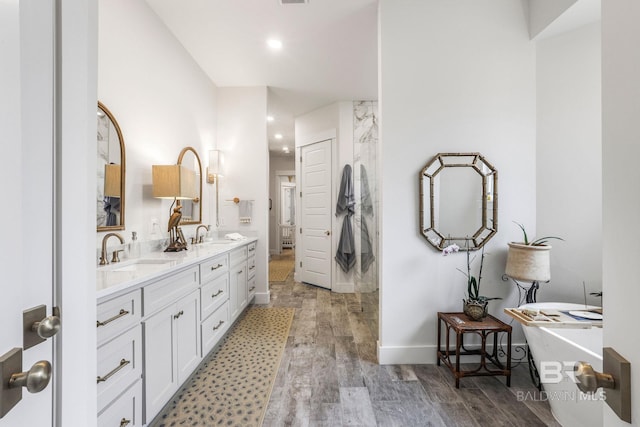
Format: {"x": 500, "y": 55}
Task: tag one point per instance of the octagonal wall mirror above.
{"x": 458, "y": 201}
{"x": 191, "y": 208}
{"x": 110, "y": 172}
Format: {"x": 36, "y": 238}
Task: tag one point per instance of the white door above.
{"x": 316, "y": 210}
{"x": 26, "y": 120}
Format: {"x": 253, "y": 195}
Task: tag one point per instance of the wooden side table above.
{"x": 460, "y": 324}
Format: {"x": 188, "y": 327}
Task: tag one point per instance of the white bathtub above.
{"x": 553, "y": 348}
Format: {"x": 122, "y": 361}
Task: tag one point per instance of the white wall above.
{"x": 621, "y": 198}
{"x": 543, "y": 12}
{"x": 162, "y": 101}
{"x": 454, "y": 77}
{"x": 242, "y": 137}
{"x": 569, "y": 156}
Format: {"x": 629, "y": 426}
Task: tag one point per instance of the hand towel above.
{"x": 346, "y": 253}
{"x": 346, "y": 197}
{"x": 246, "y": 211}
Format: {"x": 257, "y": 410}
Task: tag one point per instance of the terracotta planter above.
{"x": 528, "y": 263}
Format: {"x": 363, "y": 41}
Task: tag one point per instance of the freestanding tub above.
{"x": 559, "y": 348}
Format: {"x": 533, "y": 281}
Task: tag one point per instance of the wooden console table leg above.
{"x": 457, "y": 372}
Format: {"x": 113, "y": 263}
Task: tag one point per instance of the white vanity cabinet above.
{"x": 171, "y": 336}
{"x": 214, "y": 296}
{"x": 119, "y": 365}
{"x": 251, "y": 271}
{"x": 237, "y": 281}
{"x": 152, "y": 337}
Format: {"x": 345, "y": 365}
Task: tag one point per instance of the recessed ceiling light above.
{"x": 278, "y": 136}
{"x": 274, "y": 44}
{"x": 269, "y": 118}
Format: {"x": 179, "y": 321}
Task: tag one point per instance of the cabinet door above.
{"x": 187, "y": 327}
{"x": 161, "y": 379}
{"x": 237, "y": 289}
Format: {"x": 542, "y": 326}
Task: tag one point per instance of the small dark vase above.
{"x": 475, "y": 309}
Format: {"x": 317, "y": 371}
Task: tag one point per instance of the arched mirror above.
{"x": 192, "y": 208}
{"x": 110, "y": 171}
{"x": 458, "y": 200}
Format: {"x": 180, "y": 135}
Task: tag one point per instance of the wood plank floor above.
{"x": 329, "y": 375}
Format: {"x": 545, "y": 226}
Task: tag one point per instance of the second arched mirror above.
{"x": 110, "y": 172}
{"x": 192, "y": 208}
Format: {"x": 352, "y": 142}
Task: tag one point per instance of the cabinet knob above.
{"x": 47, "y": 327}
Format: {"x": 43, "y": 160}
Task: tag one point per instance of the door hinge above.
{"x": 300, "y": 158}
{"x": 301, "y": 194}
{"x": 300, "y": 230}
{"x": 300, "y": 264}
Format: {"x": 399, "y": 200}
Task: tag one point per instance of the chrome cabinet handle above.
{"x": 124, "y": 422}
{"x": 252, "y": 267}
{"x": 217, "y": 293}
{"x": 123, "y": 312}
{"x": 216, "y": 267}
{"x": 35, "y": 379}
{"x": 122, "y": 364}
{"x": 220, "y": 323}
{"x": 180, "y": 313}
{"x": 251, "y": 288}
{"x": 240, "y": 272}
{"x": 252, "y": 249}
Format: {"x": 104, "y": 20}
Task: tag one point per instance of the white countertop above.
{"x": 118, "y": 278}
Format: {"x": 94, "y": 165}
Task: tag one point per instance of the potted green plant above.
{"x": 474, "y": 305}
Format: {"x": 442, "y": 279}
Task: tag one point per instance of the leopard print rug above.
{"x": 232, "y": 385}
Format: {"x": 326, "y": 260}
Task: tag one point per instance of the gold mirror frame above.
{"x": 198, "y": 200}
{"x": 114, "y": 122}
{"x": 429, "y": 229}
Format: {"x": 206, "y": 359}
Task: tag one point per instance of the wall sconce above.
{"x": 215, "y": 166}
{"x": 214, "y": 171}
{"x": 174, "y": 182}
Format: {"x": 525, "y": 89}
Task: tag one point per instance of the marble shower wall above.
{"x": 365, "y": 140}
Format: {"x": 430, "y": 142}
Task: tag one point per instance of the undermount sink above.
{"x": 138, "y": 264}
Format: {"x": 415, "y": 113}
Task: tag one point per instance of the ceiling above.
{"x": 328, "y": 54}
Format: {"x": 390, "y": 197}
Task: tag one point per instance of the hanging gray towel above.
{"x": 346, "y": 253}
{"x": 346, "y": 197}
{"x": 366, "y": 251}
{"x": 365, "y": 195}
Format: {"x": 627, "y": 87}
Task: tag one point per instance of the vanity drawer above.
{"x": 238, "y": 255}
{"x": 214, "y": 327}
{"x": 126, "y": 411}
{"x": 170, "y": 289}
{"x": 213, "y": 268}
{"x": 213, "y": 295}
{"x": 251, "y": 249}
{"x": 116, "y": 315}
{"x": 119, "y": 365}
{"x": 251, "y": 287}
{"x": 251, "y": 266}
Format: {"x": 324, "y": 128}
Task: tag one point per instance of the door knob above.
{"x": 589, "y": 380}
{"x": 37, "y": 327}
{"x": 328, "y": 233}
{"x": 35, "y": 379}
{"x": 47, "y": 327}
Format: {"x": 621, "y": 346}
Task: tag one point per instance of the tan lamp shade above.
{"x": 112, "y": 180}
{"x": 174, "y": 181}
{"x": 528, "y": 263}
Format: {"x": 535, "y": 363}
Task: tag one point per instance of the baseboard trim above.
{"x": 262, "y": 297}
{"x": 344, "y": 288}
{"x": 426, "y": 354}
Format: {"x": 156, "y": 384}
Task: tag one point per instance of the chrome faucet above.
{"x": 201, "y": 239}
{"x": 103, "y": 255}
